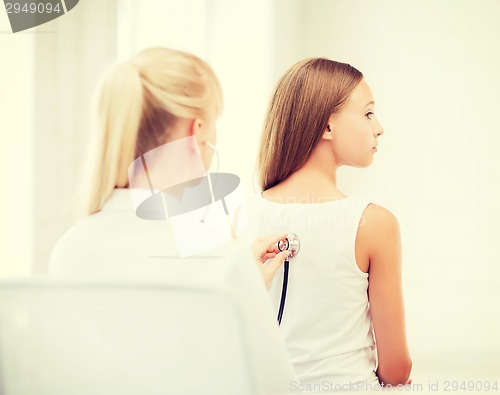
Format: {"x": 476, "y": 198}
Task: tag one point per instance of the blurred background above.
{"x": 433, "y": 67}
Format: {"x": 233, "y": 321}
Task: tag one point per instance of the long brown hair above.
{"x": 304, "y": 99}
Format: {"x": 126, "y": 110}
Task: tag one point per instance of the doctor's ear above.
{"x": 197, "y": 128}
{"x": 328, "y": 132}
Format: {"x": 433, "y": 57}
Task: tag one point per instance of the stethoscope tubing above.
{"x": 293, "y": 245}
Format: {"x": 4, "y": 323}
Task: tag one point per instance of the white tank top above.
{"x": 326, "y": 322}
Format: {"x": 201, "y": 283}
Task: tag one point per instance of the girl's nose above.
{"x": 379, "y": 131}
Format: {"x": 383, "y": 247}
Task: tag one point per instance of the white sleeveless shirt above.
{"x": 326, "y": 322}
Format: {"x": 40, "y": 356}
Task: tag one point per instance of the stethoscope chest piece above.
{"x": 291, "y": 244}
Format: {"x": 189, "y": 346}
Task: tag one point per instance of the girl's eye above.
{"x": 369, "y": 115}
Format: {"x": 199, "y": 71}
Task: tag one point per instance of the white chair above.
{"x": 103, "y": 337}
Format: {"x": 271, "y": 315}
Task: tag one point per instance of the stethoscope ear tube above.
{"x": 291, "y": 244}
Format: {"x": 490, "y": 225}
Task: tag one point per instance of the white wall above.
{"x": 16, "y": 119}
{"x": 241, "y": 51}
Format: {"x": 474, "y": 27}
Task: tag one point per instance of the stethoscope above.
{"x": 291, "y": 244}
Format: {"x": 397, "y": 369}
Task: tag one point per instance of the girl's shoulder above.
{"x": 377, "y": 223}
{"x": 379, "y": 216}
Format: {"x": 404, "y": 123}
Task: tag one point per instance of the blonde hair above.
{"x": 304, "y": 99}
{"x": 137, "y": 104}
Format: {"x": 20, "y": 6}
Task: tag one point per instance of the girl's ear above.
{"x": 328, "y": 132}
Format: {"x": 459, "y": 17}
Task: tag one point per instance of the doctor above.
{"x": 159, "y": 98}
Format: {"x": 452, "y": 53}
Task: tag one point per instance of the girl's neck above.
{"x": 315, "y": 181}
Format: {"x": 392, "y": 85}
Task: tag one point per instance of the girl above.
{"x": 344, "y": 285}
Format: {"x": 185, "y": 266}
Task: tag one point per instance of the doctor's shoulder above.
{"x": 77, "y": 246}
